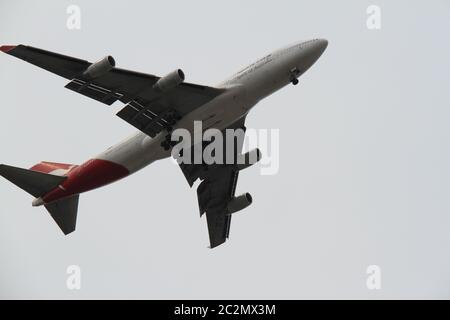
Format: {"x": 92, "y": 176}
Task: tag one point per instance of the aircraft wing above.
{"x": 217, "y": 189}
{"x": 147, "y": 108}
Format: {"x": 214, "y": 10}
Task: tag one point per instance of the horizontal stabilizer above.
{"x": 64, "y": 212}
{"x": 35, "y": 183}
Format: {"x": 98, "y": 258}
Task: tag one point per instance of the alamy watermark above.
{"x": 73, "y": 281}
{"x": 214, "y": 146}
{"x": 74, "y": 19}
{"x": 373, "y": 21}
{"x": 373, "y": 281}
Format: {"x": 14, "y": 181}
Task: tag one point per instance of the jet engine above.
{"x": 249, "y": 159}
{"x": 170, "y": 80}
{"x": 99, "y": 68}
{"x": 238, "y": 203}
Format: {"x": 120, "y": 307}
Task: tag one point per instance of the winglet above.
{"x": 6, "y": 49}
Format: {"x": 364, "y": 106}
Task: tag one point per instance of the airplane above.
{"x": 157, "y": 106}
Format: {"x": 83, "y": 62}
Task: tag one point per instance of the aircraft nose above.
{"x": 311, "y": 52}
{"x": 319, "y": 46}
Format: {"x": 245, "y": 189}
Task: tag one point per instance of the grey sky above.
{"x": 364, "y": 154}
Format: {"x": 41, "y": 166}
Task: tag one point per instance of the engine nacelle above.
{"x": 99, "y": 68}
{"x": 238, "y": 203}
{"x": 249, "y": 158}
{"x": 170, "y": 80}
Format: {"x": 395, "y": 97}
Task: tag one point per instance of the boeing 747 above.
{"x": 157, "y": 106}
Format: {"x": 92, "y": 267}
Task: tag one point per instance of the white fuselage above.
{"x": 243, "y": 91}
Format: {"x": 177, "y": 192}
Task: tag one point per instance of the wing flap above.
{"x": 146, "y": 120}
{"x": 94, "y": 92}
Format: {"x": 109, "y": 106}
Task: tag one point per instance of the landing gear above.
{"x": 168, "y": 143}
{"x": 165, "y": 144}
{"x": 170, "y": 119}
{"x": 293, "y": 75}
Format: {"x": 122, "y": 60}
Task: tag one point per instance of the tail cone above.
{"x": 37, "y": 202}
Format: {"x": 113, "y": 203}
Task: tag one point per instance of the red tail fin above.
{"x": 58, "y": 169}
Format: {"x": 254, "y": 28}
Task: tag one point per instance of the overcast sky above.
{"x": 364, "y": 174}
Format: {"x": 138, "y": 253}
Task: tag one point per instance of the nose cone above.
{"x": 318, "y": 47}
{"x": 309, "y": 52}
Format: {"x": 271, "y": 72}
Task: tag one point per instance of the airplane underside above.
{"x": 157, "y": 107}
